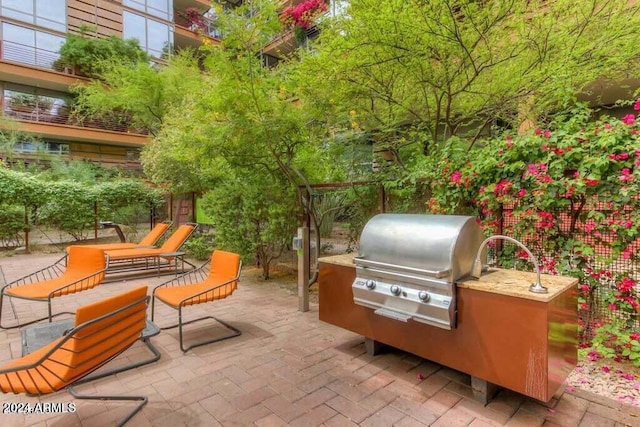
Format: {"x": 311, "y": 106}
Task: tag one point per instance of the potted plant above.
{"x": 195, "y": 19}
{"x": 84, "y": 54}
{"x": 301, "y": 16}
{"x": 23, "y": 102}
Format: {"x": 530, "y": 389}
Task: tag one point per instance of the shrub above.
{"x": 13, "y": 224}
{"x": 569, "y": 190}
{"x": 200, "y": 247}
{"x": 88, "y": 54}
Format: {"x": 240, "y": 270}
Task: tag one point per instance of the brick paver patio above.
{"x": 287, "y": 368}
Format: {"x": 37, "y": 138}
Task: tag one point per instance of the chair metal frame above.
{"x": 74, "y": 334}
{"x": 53, "y": 271}
{"x": 192, "y": 277}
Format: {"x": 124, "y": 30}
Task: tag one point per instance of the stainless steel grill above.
{"x": 408, "y": 265}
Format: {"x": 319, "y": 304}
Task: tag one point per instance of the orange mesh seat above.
{"x": 213, "y": 281}
{"x": 85, "y": 269}
{"x": 147, "y": 241}
{"x": 102, "y": 330}
{"x": 172, "y": 244}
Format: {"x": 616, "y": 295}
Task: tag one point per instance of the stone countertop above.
{"x": 344, "y": 260}
{"x": 516, "y": 283}
{"x": 495, "y": 280}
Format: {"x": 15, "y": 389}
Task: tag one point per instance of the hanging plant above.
{"x": 302, "y": 15}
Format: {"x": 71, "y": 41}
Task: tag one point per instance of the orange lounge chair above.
{"x": 152, "y": 258}
{"x": 212, "y": 281}
{"x": 85, "y": 269}
{"x": 102, "y": 330}
{"x": 148, "y": 241}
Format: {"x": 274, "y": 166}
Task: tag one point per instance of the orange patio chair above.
{"x": 212, "y": 281}
{"x": 148, "y": 258}
{"x": 102, "y": 330}
{"x": 148, "y": 241}
{"x": 85, "y": 269}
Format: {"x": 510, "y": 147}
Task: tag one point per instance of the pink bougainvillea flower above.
{"x": 589, "y": 225}
{"x": 455, "y": 177}
{"x": 521, "y": 193}
{"x": 628, "y": 224}
{"x": 612, "y": 306}
{"x": 584, "y": 288}
{"x": 538, "y": 131}
{"x": 591, "y": 182}
{"x": 636, "y": 106}
{"x": 629, "y": 119}
{"x": 570, "y": 388}
{"x": 508, "y": 137}
{"x": 626, "y": 175}
{"x": 626, "y": 284}
{"x": 607, "y": 126}
{"x": 605, "y": 369}
{"x": 546, "y": 134}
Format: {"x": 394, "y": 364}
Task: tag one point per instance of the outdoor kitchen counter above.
{"x": 516, "y": 284}
{"x": 504, "y": 334}
{"x": 496, "y": 280}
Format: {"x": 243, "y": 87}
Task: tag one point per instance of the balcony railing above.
{"x": 62, "y": 116}
{"x": 28, "y": 55}
{"x": 202, "y": 25}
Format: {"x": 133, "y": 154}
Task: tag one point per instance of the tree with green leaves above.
{"x": 239, "y": 121}
{"x": 458, "y": 67}
{"x": 138, "y": 90}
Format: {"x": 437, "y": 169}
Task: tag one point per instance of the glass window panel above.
{"x": 134, "y": 27}
{"x": 159, "y": 8}
{"x": 17, "y": 34}
{"x": 48, "y": 41}
{"x": 51, "y": 24}
{"x": 25, "y": 6}
{"x": 17, "y": 15}
{"x": 158, "y": 36}
{"x": 138, "y": 5}
{"x": 18, "y": 44}
{"x": 48, "y": 46}
{"x": 52, "y": 14}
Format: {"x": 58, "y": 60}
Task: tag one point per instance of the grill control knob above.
{"x": 395, "y": 289}
{"x": 370, "y": 284}
{"x": 424, "y": 296}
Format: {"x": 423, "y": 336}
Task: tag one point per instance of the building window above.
{"x": 27, "y": 103}
{"x": 161, "y": 8}
{"x": 43, "y": 147}
{"x": 51, "y": 14}
{"x": 154, "y": 36}
{"x": 28, "y": 46}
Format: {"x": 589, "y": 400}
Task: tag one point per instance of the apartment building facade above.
{"x": 35, "y": 88}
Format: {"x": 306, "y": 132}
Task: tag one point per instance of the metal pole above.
{"x": 95, "y": 220}
{"x": 303, "y": 269}
{"x": 26, "y": 230}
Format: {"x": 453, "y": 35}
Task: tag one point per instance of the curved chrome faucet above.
{"x": 476, "y": 271}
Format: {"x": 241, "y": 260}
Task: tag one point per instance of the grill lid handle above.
{"x": 438, "y": 274}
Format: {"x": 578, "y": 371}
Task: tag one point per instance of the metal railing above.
{"x": 28, "y": 55}
{"x": 63, "y": 116}
{"x": 203, "y": 25}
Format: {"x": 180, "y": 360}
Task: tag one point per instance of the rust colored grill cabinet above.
{"x": 410, "y": 288}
